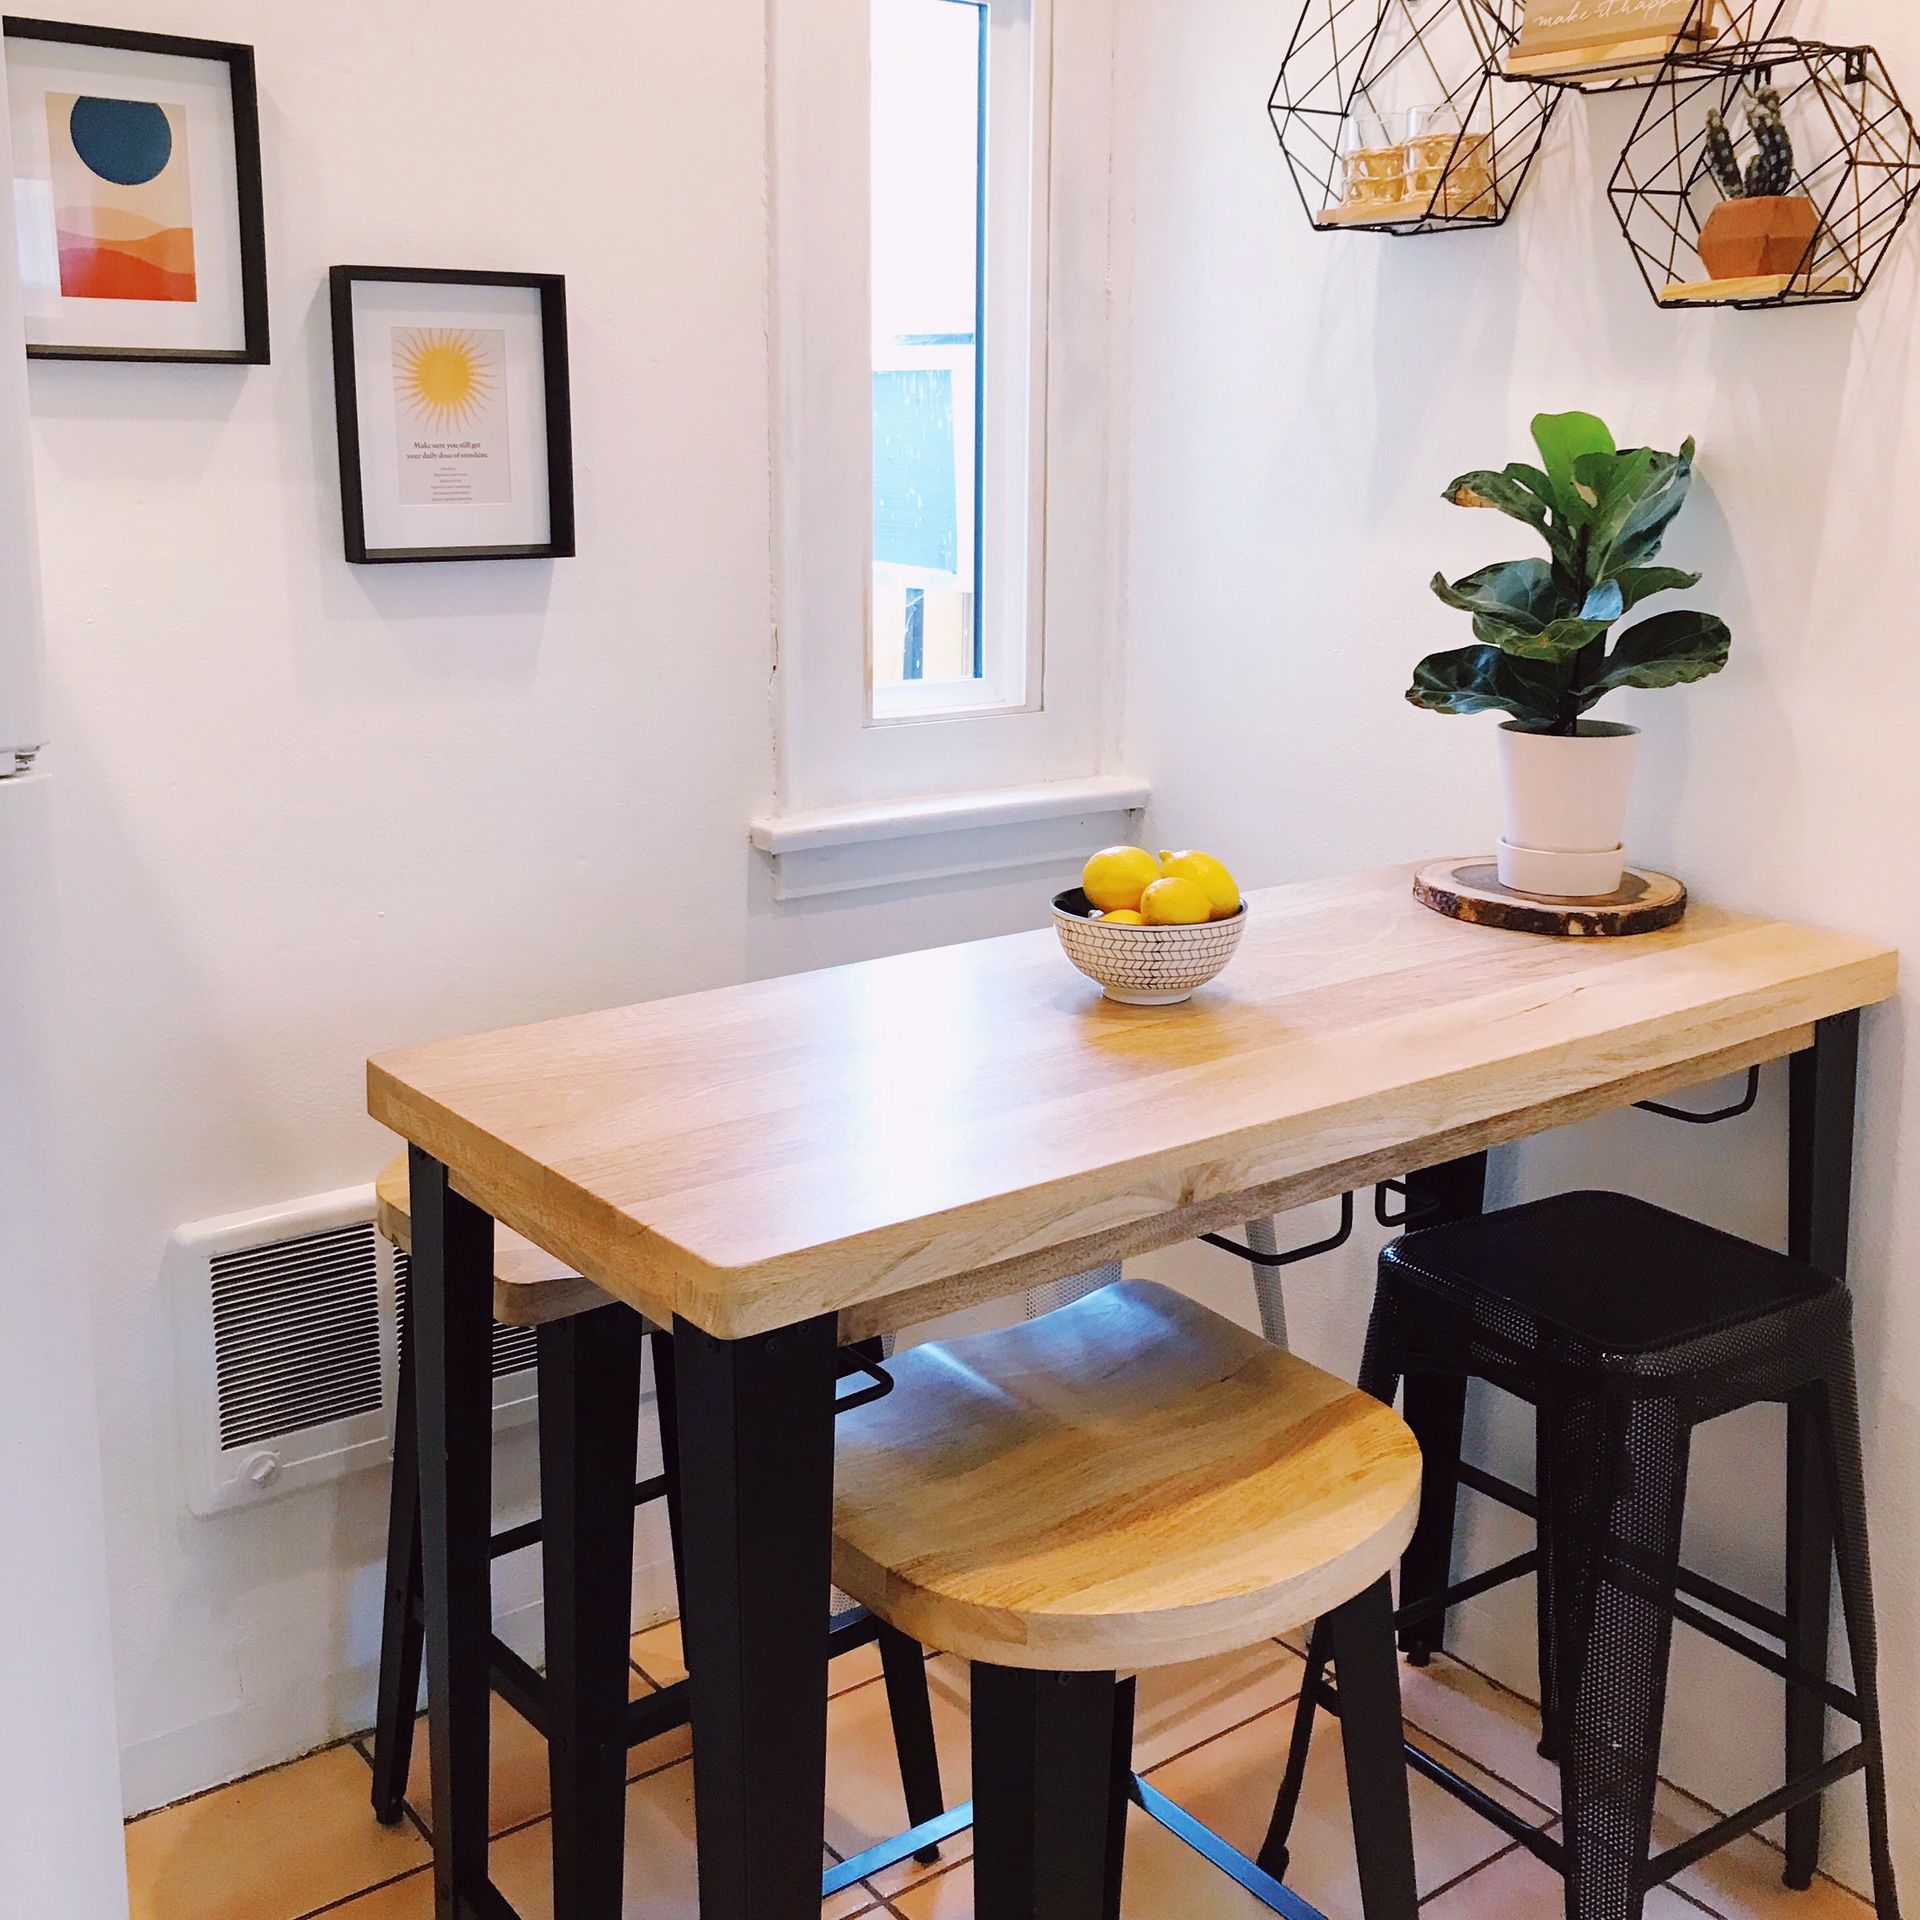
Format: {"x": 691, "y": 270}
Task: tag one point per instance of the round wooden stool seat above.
{"x": 530, "y": 1288}
{"x": 1128, "y": 1482}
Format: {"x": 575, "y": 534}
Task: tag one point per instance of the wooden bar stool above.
{"x": 588, "y": 1356}
{"x": 1128, "y": 1482}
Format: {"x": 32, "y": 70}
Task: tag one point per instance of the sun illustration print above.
{"x": 446, "y": 377}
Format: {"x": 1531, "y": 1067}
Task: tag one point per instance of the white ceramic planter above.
{"x": 1564, "y": 808}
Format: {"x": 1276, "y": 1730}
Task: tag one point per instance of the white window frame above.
{"x": 833, "y": 749}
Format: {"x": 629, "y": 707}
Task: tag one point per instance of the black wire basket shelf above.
{"x": 1394, "y": 119}
{"x": 1824, "y": 156}
{"x": 1604, "y": 59}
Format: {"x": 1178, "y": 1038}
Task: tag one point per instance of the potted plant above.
{"x": 1759, "y": 228}
{"x": 1545, "y": 648}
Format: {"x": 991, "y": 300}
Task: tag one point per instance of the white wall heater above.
{"x": 287, "y": 1352}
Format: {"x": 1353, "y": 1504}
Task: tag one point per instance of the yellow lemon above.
{"x": 1210, "y": 876}
{"x": 1123, "y": 917}
{"x": 1116, "y": 877}
{"x": 1174, "y": 903}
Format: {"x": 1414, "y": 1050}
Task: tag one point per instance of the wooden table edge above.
{"x": 733, "y": 1302}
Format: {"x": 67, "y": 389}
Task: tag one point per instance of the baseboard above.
{"x": 316, "y": 1710}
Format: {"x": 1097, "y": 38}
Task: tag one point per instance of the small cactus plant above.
{"x": 1770, "y": 171}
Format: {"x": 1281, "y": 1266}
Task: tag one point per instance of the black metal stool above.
{"x": 1626, "y": 1327}
{"x": 589, "y": 1365}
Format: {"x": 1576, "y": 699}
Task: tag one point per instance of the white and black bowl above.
{"x": 1144, "y": 966}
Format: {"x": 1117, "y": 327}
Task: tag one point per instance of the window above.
{"x": 953, "y": 450}
{"x": 934, "y": 636}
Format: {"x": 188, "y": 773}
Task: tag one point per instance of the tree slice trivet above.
{"x": 1470, "y": 890}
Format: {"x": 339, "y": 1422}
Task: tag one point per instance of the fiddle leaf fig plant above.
{"x": 1546, "y": 647}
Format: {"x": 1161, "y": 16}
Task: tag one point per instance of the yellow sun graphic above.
{"x": 442, "y": 376}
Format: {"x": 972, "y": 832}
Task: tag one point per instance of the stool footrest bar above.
{"x": 1517, "y": 1568}
{"x": 1662, "y": 1867}
{"x": 1836, "y": 1696}
{"x": 1541, "y": 1845}
{"x": 1217, "y": 1853}
{"x": 1736, "y": 1605}
{"x": 902, "y": 1846}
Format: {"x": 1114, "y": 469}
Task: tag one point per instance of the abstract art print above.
{"x": 451, "y": 396}
{"x": 136, "y": 169}
{"x": 122, "y": 202}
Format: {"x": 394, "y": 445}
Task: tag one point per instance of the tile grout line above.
{"x": 1479, "y": 1866}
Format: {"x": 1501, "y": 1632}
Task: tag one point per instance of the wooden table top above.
{"x": 901, "y": 1136}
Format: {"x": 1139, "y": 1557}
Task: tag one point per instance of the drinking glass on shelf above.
{"x": 1447, "y": 167}
{"x": 1373, "y": 157}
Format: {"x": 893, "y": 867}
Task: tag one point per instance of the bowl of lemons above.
{"x": 1149, "y": 927}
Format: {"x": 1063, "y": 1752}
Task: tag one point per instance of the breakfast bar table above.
{"x": 778, "y": 1168}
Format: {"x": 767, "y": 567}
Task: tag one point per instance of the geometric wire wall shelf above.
{"x": 1826, "y": 214}
{"x": 1637, "y": 58}
{"x": 1393, "y": 120}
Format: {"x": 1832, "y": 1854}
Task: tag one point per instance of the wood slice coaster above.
{"x": 1470, "y": 890}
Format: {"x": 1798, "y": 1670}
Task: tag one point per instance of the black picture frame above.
{"x": 250, "y": 196}
{"x": 552, "y": 289}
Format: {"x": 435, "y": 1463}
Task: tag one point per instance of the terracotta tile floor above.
{"x": 301, "y": 1840}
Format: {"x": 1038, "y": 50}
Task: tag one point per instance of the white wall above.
{"x": 1298, "y": 402}
{"x": 309, "y": 811}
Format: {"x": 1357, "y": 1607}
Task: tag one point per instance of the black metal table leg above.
{"x": 1044, "y": 1794}
{"x": 756, "y": 1463}
{"x": 1436, "y": 1407}
{"x": 452, "y": 1287}
{"x": 1820, "y": 1132}
{"x": 589, "y": 1429}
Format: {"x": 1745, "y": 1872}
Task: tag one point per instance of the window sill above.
{"x": 896, "y": 842}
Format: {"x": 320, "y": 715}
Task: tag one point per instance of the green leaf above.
{"x": 1641, "y": 583}
{"x": 1477, "y": 679}
{"x": 1500, "y": 491}
{"x": 1605, "y": 602}
{"x": 1664, "y": 651}
{"x": 1564, "y": 439}
{"x": 1559, "y": 640}
{"x": 1522, "y": 493}
{"x": 1637, "y": 506}
{"x": 1519, "y": 592}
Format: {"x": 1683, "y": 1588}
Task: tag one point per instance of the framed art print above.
{"x": 136, "y": 176}
{"x": 456, "y": 435}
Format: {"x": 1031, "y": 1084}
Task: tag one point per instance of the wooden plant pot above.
{"x": 1746, "y": 238}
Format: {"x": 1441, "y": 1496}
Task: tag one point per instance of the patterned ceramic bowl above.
{"x": 1144, "y": 966}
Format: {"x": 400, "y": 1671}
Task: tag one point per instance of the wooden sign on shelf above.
{"x": 1567, "y": 36}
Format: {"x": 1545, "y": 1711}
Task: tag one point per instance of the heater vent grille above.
{"x": 513, "y": 1347}
{"x": 296, "y": 1333}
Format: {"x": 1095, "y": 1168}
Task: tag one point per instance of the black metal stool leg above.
{"x": 589, "y": 1429}
{"x": 1360, "y": 1641}
{"x": 666, "y": 1406}
{"x": 1274, "y": 1858}
{"x": 1543, "y": 1596}
{"x": 1043, "y": 1746}
{"x": 1839, "y": 1428}
{"x": 402, "y": 1627}
{"x": 904, "y": 1663}
{"x": 1809, "y": 1597}
{"x": 1435, "y": 1406}
{"x": 1619, "y": 1490}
